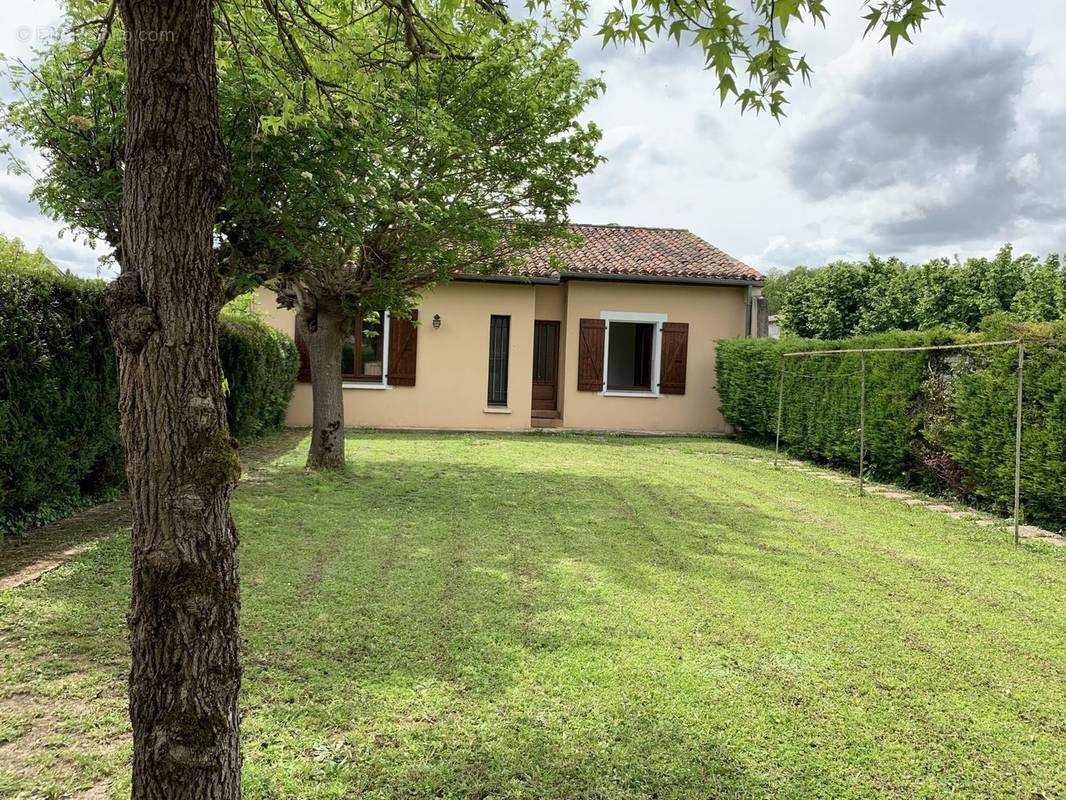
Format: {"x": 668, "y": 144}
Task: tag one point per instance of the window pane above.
{"x": 629, "y": 355}
{"x": 371, "y": 348}
{"x": 499, "y": 340}
{"x": 544, "y": 348}
{"x": 348, "y": 355}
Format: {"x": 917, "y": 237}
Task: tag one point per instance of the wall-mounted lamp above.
{"x": 436, "y": 321}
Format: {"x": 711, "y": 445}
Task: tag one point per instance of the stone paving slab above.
{"x": 888, "y": 492}
{"x": 1040, "y": 535}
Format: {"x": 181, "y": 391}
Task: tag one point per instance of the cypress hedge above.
{"x": 260, "y": 366}
{"x": 979, "y": 433}
{"x": 59, "y": 431}
{"x": 939, "y": 421}
{"x": 60, "y": 446}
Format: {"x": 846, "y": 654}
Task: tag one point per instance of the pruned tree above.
{"x": 473, "y": 162}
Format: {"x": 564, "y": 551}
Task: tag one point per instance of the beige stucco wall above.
{"x": 712, "y": 313}
{"x": 452, "y": 367}
{"x": 451, "y": 384}
{"x": 550, "y": 302}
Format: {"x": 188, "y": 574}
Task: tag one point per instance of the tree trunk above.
{"x": 180, "y": 460}
{"x": 325, "y": 338}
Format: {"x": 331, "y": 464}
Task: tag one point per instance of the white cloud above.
{"x": 677, "y": 159}
{"x": 904, "y": 172}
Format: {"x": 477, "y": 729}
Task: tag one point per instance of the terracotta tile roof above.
{"x": 638, "y": 252}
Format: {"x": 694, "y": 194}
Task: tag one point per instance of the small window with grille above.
{"x": 499, "y": 343}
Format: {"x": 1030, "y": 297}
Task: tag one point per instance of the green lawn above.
{"x": 563, "y": 617}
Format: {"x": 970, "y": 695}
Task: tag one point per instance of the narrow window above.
{"x": 362, "y": 354}
{"x": 371, "y": 346}
{"x": 630, "y": 355}
{"x": 499, "y": 341}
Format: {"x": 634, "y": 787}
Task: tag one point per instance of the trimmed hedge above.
{"x": 59, "y": 434}
{"x": 60, "y": 445}
{"x": 979, "y": 433}
{"x": 939, "y": 420}
{"x": 260, "y": 366}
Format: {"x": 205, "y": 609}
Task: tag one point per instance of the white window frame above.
{"x": 656, "y": 348}
{"x": 384, "y": 382}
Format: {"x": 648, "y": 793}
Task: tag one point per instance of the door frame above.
{"x": 557, "y": 324}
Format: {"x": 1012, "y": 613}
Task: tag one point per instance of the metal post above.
{"x": 780, "y": 407}
{"x": 1018, "y": 445}
{"x": 862, "y": 419}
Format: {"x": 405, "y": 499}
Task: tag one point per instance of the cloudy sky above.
{"x": 952, "y": 146}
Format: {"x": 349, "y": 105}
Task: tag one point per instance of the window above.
{"x": 364, "y": 351}
{"x": 499, "y": 342}
{"x": 630, "y": 350}
{"x": 632, "y": 354}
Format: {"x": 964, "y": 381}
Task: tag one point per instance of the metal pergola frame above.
{"x": 863, "y": 352}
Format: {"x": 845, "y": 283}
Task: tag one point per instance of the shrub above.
{"x": 942, "y": 419}
{"x": 980, "y": 430}
{"x": 260, "y": 366}
{"x": 59, "y": 435}
{"x": 821, "y": 397}
{"x": 60, "y": 446}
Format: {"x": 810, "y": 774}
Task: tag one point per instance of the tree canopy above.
{"x": 472, "y": 163}
{"x": 437, "y": 155}
{"x": 14, "y": 257}
{"x": 847, "y": 298}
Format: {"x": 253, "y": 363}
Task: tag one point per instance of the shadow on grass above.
{"x": 24, "y": 558}
{"x": 504, "y": 618}
{"x": 510, "y": 601}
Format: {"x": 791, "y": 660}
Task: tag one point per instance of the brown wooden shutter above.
{"x": 591, "y": 336}
{"x": 304, "y": 375}
{"x": 403, "y": 350}
{"x": 674, "y": 358}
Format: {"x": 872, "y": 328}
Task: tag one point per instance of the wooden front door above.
{"x": 545, "y": 365}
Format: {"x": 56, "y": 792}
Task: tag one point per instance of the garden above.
{"x": 569, "y": 616}
{"x": 197, "y": 604}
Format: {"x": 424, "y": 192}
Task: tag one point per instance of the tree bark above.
{"x": 180, "y": 460}
{"x": 325, "y": 338}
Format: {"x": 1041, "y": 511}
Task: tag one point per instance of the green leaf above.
{"x": 726, "y": 87}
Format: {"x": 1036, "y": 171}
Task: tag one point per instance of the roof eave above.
{"x": 553, "y": 281}
{"x": 599, "y": 276}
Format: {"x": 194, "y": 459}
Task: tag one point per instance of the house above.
{"x": 618, "y": 334}
{"x": 773, "y": 327}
